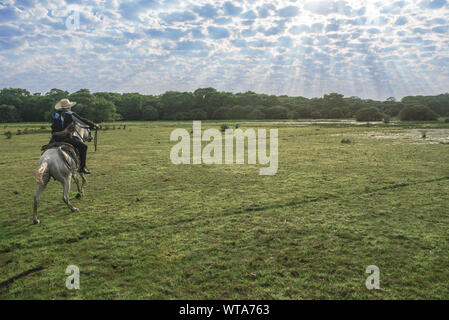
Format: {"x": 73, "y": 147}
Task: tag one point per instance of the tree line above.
{"x": 18, "y": 105}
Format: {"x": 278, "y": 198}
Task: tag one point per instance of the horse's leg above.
{"x": 37, "y": 196}
{"x": 77, "y": 181}
{"x": 83, "y": 178}
{"x": 66, "y": 189}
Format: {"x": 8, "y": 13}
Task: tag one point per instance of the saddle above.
{"x": 66, "y": 149}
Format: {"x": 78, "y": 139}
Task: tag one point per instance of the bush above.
{"x": 223, "y": 127}
{"x": 369, "y": 114}
{"x": 345, "y": 141}
{"x": 446, "y": 120}
{"x": 417, "y": 113}
{"x": 8, "y": 134}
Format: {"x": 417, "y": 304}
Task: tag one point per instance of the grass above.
{"x": 149, "y": 229}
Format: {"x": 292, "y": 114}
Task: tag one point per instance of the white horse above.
{"x": 56, "y": 163}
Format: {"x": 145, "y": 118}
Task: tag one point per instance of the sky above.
{"x": 365, "y": 48}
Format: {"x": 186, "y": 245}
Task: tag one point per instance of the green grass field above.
{"x": 149, "y": 229}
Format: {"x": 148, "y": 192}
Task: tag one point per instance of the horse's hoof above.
{"x": 75, "y": 209}
{"x": 78, "y": 196}
{"x": 36, "y": 221}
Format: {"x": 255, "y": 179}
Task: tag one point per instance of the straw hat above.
{"x": 64, "y": 104}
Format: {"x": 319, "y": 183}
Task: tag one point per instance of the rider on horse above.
{"x": 62, "y": 121}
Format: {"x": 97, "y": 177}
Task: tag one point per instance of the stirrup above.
{"x": 85, "y": 171}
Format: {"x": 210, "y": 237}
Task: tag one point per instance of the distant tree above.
{"x": 417, "y": 112}
{"x": 130, "y": 106}
{"x": 256, "y": 114}
{"x": 240, "y": 112}
{"x": 102, "y": 110}
{"x": 336, "y": 113}
{"x": 333, "y": 105}
{"x": 369, "y": 114}
{"x": 292, "y": 114}
{"x": 9, "y": 114}
{"x": 198, "y": 114}
{"x": 207, "y": 103}
{"x": 278, "y": 112}
{"x": 149, "y": 113}
{"x": 182, "y": 116}
{"x": 57, "y": 94}
{"x": 222, "y": 113}
{"x": 303, "y": 112}
{"x": 172, "y": 103}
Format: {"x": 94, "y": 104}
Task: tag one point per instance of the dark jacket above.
{"x": 63, "y": 118}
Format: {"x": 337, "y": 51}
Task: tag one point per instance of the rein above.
{"x": 95, "y": 139}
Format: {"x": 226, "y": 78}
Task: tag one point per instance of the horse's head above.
{"x": 82, "y": 132}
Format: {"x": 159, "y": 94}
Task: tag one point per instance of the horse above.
{"x": 56, "y": 163}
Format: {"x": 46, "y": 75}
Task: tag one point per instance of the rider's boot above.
{"x": 83, "y": 168}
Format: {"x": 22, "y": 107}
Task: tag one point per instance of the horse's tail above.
{"x": 42, "y": 173}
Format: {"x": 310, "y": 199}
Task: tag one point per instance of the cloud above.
{"x": 285, "y": 41}
{"x": 223, "y": 21}
{"x": 310, "y": 47}
{"x": 317, "y": 27}
{"x": 9, "y": 31}
{"x": 332, "y": 27}
{"x": 191, "y": 45}
{"x": 250, "y": 14}
{"x": 7, "y": 14}
{"x": 240, "y": 43}
{"x": 432, "y": 4}
{"x": 206, "y": 11}
{"x": 25, "y": 3}
{"x": 420, "y": 30}
{"x": 441, "y": 29}
{"x": 265, "y": 10}
{"x": 325, "y": 7}
{"x": 248, "y": 32}
{"x": 299, "y": 29}
{"x": 10, "y": 44}
{"x": 437, "y": 21}
{"x": 394, "y": 8}
{"x": 131, "y": 9}
{"x": 167, "y": 33}
{"x": 231, "y": 10}
{"x": 373, "y": 31}
{"x": 401, "y": 21}
{"x": 197, "y": 33}
{"x": 181, "y": 16}
{"x": 288, "y": 12}
{"x": 218, "y": 32}
{"x": 271, "y": 31}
